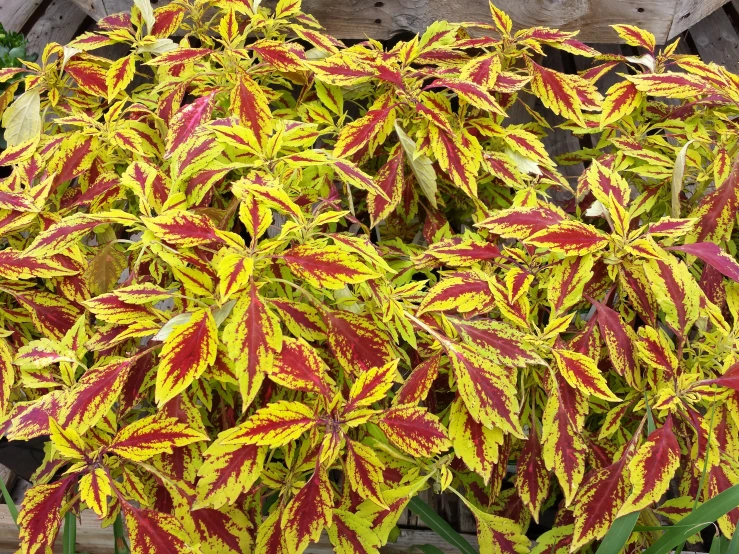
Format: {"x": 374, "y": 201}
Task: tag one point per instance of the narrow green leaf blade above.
{"x": 439, "y": 526}
{"x": 618, "y": 535}
{"x": 701, "y": 517}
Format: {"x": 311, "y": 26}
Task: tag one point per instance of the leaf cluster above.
{"x": 257, "y": 285}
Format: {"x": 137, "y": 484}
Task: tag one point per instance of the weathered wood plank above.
{"x": 683, "y": 47}
{"x": 717, "y": 40}
{"x": 7, "y": 477}
{"x": 15, "y": 13}
{"x": 382, "y": 20}
{"x": 688, "y": 13}
{"x": 19, "y": 490}
{"x": 95, "y": 540}
{"x": 97, "y": 9}
{"x": 59, "y": 23}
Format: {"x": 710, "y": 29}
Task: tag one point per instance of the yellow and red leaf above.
{"x": 275, "y": 425}
{"x": 150, "y": 436}
{"x": 187, "y": 352}
{"x": 652, "y": 467}
{"x": 414, "y": 430}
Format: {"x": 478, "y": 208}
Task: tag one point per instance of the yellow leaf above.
{"x": 22, "y": 119}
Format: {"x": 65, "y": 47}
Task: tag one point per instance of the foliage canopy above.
{"x": 256, "y": 284}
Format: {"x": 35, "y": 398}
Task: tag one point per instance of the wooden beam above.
{"x": 97, "y": 9}
{"x": 717, "y": 40}
{"x": 15, "y": 13}
{"x": 96, "y": 540}
{"x": 8, "y": 477}
{"x": 386, "y": 18}
{"x": 689, "y": 12}
{"x": 59, "y": 23}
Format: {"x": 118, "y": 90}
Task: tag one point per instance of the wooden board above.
{"x": 59, "y": 23}
{"x": 716, "y": 40}
{"x": 383, "y": 19}
{"x": 688, "y": 13}
{"x": 8, "y": 478}
{"x": 96, "y": 540}
{"x": 15, "y": 13}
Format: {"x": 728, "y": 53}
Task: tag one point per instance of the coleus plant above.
{"x": 257, "y": 285}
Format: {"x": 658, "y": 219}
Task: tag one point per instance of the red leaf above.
{"x": 730, "y": 379}
{"x": 155, "y": 532}
{"x": 414, "y": 430}
{"x": 308, "y": 512}
{"x": 418, "y": 384}
{"x": 185, "y": 122}
{"x": 713, "y": 256}
{"x": 357, "y": 342}
{"x": 40, "y": 517}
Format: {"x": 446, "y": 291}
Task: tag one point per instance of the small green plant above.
{"x": 13, "y": 50}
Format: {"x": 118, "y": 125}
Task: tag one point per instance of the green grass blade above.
{"x": 69, "y": 543}
{"x": 618, "y": 535}
{"x": 439, "y": 526}
{"x": 701, "y": 517}
{"x": 9, "y": 501}
{"x": 119, "y": 535}
{"x": 717, "y": 544}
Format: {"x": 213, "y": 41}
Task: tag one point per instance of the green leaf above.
{"x": 439, "y": 526}
{"x": 677, "y": 179}
{"x": 22, "y": 119}
{"x": 420, "y": 164}
{"x": 701, "y": 517}
{"x": 9, "y": 501}
{"x": 618, "y": 535}
{"x": 718, "y": 544}
{"x": 120, "y": 545}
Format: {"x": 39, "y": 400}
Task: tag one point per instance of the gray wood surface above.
{"x": 716, "y": 40}
{"x": 382, "y": 20}
{"x": 59, "y": 23}
{"x": 688, "y": 13}
{"x": 15, "y": 13}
